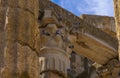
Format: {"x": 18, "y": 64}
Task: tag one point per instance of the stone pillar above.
{"x": 53, "y": 57}
{"x": 2, "y": 32}
{"x": 117, "y": 19}
{"x": 53, "y": 63}
{"x": 19, "y": 24}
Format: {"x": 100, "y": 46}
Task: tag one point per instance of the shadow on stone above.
{"x": 24, "y": 75}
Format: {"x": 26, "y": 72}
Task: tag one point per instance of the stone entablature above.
{"x": 105, "y": 23}
{"x": 74, "y": 24}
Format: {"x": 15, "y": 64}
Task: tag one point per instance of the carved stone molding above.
{"x": 110, "y": 70}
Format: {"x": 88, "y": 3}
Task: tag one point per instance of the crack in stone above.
{"x": 26, "y": 44}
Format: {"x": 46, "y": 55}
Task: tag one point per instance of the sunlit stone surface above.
{"x": 39, "y": 39}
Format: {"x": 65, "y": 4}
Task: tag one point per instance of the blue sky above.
{"x": 96, "y": 7}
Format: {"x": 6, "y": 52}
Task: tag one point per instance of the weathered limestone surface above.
{"x": 116, "y": 71}
{"x": 81, "y": 67}
{"x": 105, "y": 23}
{"x": 20, "y": 38}
{"x": 53, "y": 56}
{"x": 28, "y": 64}
{"x": 117, "y": 19}
{"x": 2, "y": 33}
{"x": 80, "y": 28}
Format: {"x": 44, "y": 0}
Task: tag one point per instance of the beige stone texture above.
{"x": 52, "y": 56}
{"x": 88, "y": 36}
{"x": 105, "y": 23}
{"x": 54, "y": 61}
{"x": 53, "y": 40}
{"x": 26, "y": 51}
{"x": 18, "y": 24}
{"x": 2, "y": 37}
{"x": 27, "y": 63}
{"x": 117, "y": 19}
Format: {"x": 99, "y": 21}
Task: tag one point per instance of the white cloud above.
{"x": 101, "y": 7}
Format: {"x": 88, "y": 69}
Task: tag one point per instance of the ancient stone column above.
{"x": 2, "y": 32}
{"x": 117, "y": 19}
{"x": 53, "y": 57}
{"x": 19, "y": 38}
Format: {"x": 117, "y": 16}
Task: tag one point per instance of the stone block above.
{"x": 28, "y": 62}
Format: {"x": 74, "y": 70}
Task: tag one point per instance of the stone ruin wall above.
{"x": 19, "y": 39}
{"x": 19, "y": 36}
